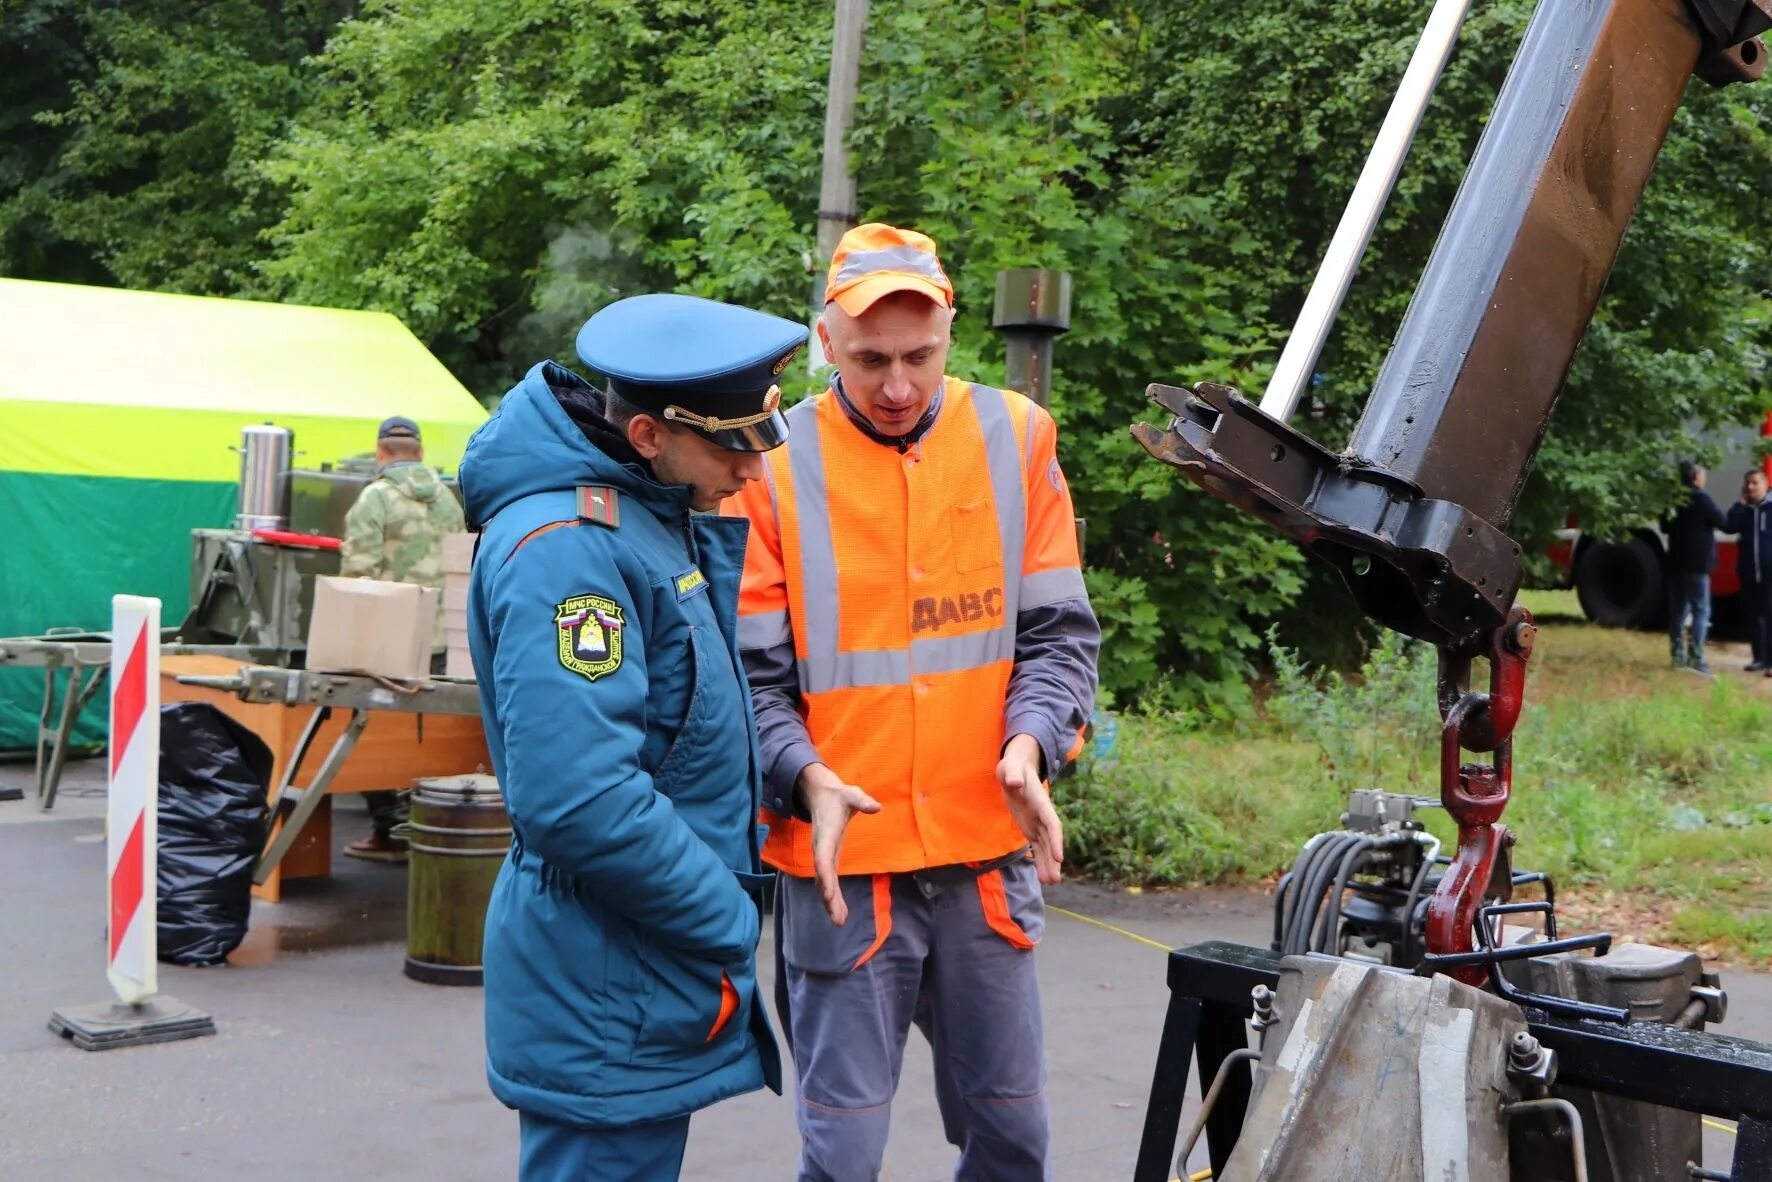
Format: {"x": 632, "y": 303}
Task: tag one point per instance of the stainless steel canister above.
{"x": 265, "y": 455}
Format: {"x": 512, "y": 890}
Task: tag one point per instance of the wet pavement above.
{"x": 328, "y": 1063}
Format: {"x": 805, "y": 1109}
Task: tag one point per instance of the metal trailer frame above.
{"x": 86, "y": 658}
{"x": 1209, "y": 1002}
{"x": 326, "y": 692}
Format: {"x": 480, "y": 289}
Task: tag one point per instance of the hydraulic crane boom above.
{"x": 1414, "y": 511}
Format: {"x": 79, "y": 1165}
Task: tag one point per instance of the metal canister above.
{"x": 265, "y": 453}
{"x": 458, "y": 836}
{"x": 320, "y": 500}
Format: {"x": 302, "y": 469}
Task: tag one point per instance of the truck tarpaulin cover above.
{"x": 213, "y": 779}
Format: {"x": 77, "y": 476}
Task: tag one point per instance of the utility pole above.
{"x": 1033, "y": 306}
{"x": 836, "y": 190}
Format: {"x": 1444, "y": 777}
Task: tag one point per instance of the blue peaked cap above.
{"x": 709, "y": 366}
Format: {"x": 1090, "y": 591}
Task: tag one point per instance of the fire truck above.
{"x": 1620, "y": 579}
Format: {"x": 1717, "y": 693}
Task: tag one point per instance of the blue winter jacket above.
{"x": 624, "y": 922}
{"x": 1753, "y": 550}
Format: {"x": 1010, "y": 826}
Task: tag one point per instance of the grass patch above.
{"x": 1552, "y": 604}
{"x": 1645, "y": 791}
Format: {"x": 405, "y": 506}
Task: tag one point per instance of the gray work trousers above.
{"x": 950, "y": 950}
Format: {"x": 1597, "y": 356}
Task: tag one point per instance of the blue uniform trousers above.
{"x": 556, "y": 1152}
{"x": 950, "y": 951}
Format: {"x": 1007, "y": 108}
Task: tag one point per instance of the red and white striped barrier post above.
{"x": 132, "y": 805}
{"x": 130, "y": 837}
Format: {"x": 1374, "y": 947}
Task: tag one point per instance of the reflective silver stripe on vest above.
{"x": 973, "y": 650}
{"x": 827, "y": 671}
{"x": 862, "y": 263}
{"x": 1052, "y": 586}
{"x": 825, "y": 668}
{"x": 818, "y": 555}
{"x": 764, "y": 630}
{"x": 1003, "y": 454}
{"x": 930, "y": 655}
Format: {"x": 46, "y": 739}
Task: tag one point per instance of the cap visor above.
{"x": 767, "y": 435}
{"x": 867, "y": 292}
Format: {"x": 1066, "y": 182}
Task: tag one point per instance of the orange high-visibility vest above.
{"x": 899, "y": 578}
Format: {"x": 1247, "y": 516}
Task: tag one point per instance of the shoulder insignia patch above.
{"x": 599, "y": 504}
{"x": 1056, "y": 476}
{"x": 590, "y": 635}
{"x": 690, "y": 582}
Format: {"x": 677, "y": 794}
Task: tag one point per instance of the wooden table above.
{"x": 394, "y": 747}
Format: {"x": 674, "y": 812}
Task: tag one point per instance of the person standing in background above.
{"x": 1691, "y": 556}
{"x": 395, "y": 532}
{"x": 1751, "y": 518}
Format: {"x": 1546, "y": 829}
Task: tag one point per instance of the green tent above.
{"x": 119, "y": 413}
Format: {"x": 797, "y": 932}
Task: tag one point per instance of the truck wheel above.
{"x": 1620, "y": 584}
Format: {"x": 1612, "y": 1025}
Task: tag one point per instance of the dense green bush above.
{"x": 1642, "y": 790}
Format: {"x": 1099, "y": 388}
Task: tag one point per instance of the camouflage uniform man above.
{"x": 395, "y": 532}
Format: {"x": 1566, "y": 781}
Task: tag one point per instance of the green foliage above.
{"x": 494, "y": 173}
{"x": 563, "y": 159}
{"x": 1641, "y": 789}
{"x": 1370, "y": 726}
{"x": 154, "y": 118}
{"x": 41, "y": 61}
{"x": 1130, "y": 630}
{"x": 1177, "y": 804}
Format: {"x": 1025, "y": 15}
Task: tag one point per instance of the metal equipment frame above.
{"x": 1210, "y": 987}
{"x": 86, "y": 658}
{"x": 266, "y": 685}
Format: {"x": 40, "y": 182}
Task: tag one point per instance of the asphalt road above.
{"x": 330, "y": 1064}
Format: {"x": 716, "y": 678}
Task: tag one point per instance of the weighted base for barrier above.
{"x": 7, "y": 792}
{"x": 111, "y": 1024}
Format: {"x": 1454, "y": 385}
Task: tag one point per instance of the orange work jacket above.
{"x": 899, "y": 577}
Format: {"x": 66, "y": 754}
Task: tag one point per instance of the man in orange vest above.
{"x": 921, "y": 653}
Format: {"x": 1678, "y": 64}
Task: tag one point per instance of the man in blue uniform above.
{"x": 620, "y": 957}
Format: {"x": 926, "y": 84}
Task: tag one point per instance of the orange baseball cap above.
{"x": 876, "y": 260}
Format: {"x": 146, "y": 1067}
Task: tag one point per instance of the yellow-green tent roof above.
{"x": 119, "y": 413}
{"x": 103, "y": 382}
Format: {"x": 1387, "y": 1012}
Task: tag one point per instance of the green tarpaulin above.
{"x": 119, "y": 415}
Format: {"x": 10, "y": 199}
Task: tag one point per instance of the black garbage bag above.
{"x": 214, "y": 774}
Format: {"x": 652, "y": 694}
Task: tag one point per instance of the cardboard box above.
{"x": 459, "y": 662}
{"x": 458, "y": 553}
{"x": 371, "y": 626}
{"x": 455, "y": 595}
{"x": 455, "y": 619}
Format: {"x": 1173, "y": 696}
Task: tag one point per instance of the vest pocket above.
{"x": 977, "y": 545}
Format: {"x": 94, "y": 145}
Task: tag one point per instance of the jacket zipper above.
{"x": 738, "y": 671}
